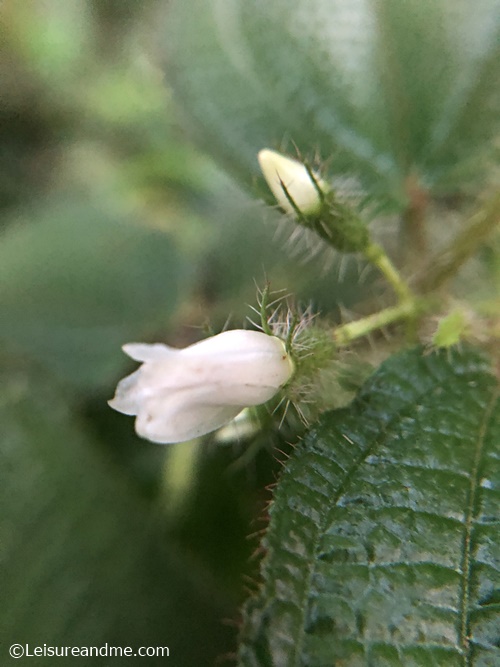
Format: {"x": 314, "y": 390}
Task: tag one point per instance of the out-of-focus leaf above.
{"x": 85, "y": 560}
{"x": 245, "y": 252}
{"x": 78, "y": 280}
{"x": 384, "y": 88}
{"x": 383, "y": 547}
{"x": 52, "y": 36}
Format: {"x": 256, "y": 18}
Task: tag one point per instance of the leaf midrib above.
{"x": 470, "y": 516}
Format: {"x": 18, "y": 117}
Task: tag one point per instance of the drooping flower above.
{"x": 180, "y": 394}
{"x": 284, "y": 176}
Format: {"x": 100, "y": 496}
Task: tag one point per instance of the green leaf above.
{"x": 78, "y": 280}
{"x": 384, "y": 544}
{"x": 381, "y": 88}
{"x": 85, "y": 559}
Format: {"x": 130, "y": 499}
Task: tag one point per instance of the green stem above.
{"x": 440, "y": 269}
{"x": 414, "y": 219}
{"x": 377, "y": 255}
{"x": 447, "y": 263}
{"x": 407, "y": 309}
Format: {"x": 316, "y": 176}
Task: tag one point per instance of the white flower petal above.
{"x": 246, "y": 367}
{"x": 127, "y": 397}
{"x": 181, "y": 394}
{"x": 145, "y": 352}
{"x": 167, "y": 421}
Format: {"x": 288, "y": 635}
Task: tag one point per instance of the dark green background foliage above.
{"x": 114, "y": 272}
{"x": 383, "y": 545}
{"x": 380, "y": 88}
{"x": 111, "y": 231}
{"x": 84, "y": 559}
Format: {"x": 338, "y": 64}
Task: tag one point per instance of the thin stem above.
{"x": 414, "y": 219}
{"x": 407, "y": 309}
{"x": 377, "y": 255}
{"x": 446, "y": 264}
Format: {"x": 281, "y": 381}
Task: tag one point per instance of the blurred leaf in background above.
{"x": 85, "y": 559}
{"x": 78, "y": 282}
{"x": 108, "y": 234}
{"x": 383, "y": 88}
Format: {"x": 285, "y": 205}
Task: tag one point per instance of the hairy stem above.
{"x": 407, "y": 309}
{"x": 414, "y": 219}
{"x": 377, "y": 255}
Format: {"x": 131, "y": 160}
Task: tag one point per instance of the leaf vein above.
{"x": 467, "y": 554}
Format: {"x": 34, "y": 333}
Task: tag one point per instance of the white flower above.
{"x": 178, "y": 395}
{"x": 279, "y": 171}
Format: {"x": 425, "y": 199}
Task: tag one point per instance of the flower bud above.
{"x": 286, "y": 176}
{"x": 177, "y": 395}
{"x": 315, "y": 205}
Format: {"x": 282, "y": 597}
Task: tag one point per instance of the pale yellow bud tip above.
{"x": 286, "y": 175}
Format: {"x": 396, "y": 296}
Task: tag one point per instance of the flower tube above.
{"x": 181, "y": 394}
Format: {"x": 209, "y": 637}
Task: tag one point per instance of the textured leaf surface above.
{"x": 384, "y": 543}
{"x": 382, "y": 87}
